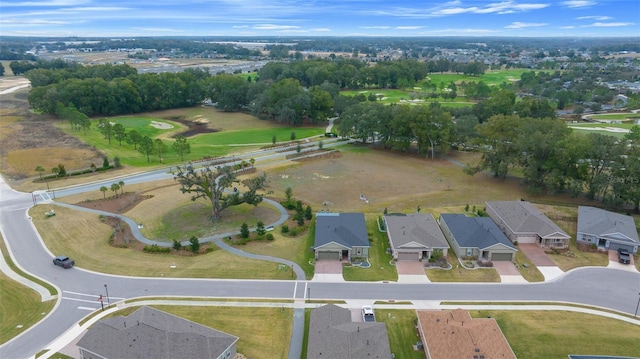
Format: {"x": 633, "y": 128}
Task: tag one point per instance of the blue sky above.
{"x": 130, "y": 18}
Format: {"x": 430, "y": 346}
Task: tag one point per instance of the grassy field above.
{"x": 401, "y": 332}
{"x": 387, "y": 96}
{"x": 20, "y": 308}
{"x": 531, "y": 272}
{"x": 84, "y": 238}
{"x": 491, "y": 78}
{"x": 554, "y": 335}
{"x": 463, "y": 275}
{"x": 231, "y": 129}
{"x": 381, "y": 269}
{"x": 614, "y": 116}
{"x": 602, "y": 128}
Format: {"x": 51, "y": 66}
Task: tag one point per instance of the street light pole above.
{"x": 107, "y": 291}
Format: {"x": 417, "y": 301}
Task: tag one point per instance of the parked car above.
{"x": 623, "y": 256}
{"x": 63, "y": 261}
{"x": 367, "y": 314}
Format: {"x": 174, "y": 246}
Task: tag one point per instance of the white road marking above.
{"x": 82, "y": 300}
{"x": 87, "y": 308}
{"x": 295, "y": 289}
{"x": 304, "y": 295}
{"x": 90, "y": 295}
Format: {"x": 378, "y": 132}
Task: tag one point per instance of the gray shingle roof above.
{"x": 475, "y": 232}
{"x": 332, "y": 335}
{"x": 421, "y": 229}
{"x": 523, "y": 217}
{"x": 601, "y": 223}
{"x": 347, "y": 229}
{"x": 152, "y": 333}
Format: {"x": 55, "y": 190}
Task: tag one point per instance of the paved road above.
{"x": 79, "y": 288}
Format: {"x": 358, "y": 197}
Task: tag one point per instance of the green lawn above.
{"x": 614, "y": 116}
{"x": 20, "y": 308}
{"x": 252, "y": 134}
{"x": 401, "y": 332}
{"x": 489, "y": 77}
{"x": 531, "y": 272}
{"x": 556, "y": 334}
{"x": 459, "y": 274}
{"x": 381, "y": 269}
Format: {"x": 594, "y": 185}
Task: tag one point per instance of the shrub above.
{"x": 154, "y": 248}
{"x": 177, "y": 245}
{"x": 194, "y": 244}
{"x": 285, "y": 228}
{"x": 293, "y": 232}
{"x": 244, "y": 230}
{"x": 210, "y": 249}
{"x": 260, "y": 228}
{"x": 308, "y": 214}
{"x": 269, "y": 236}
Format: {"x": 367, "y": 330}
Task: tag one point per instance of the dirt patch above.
{"x": 33, "y": 134}
{"x": 120, "y": 204}
{"x": 195, "y": 127}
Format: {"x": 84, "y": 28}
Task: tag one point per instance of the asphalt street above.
{"x": 79, "y": 289}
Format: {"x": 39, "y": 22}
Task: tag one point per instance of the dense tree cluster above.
{"x": 554, "y": 158}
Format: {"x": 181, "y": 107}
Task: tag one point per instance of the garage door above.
{"x": 407, "y": 256}
{"x": 527, "y": 239}
{"x": 329, "y": 255}
{"x": 501, "y": 256}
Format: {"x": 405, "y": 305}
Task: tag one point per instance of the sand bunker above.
{"x": 161, "y": 125}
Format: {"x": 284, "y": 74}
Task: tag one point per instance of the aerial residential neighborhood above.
{"x": 338, "y": 180}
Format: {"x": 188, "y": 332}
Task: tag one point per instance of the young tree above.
{"x": 55, "y": 171}
{"x": 260, "y": 230}
{"x": 146, "y": 146}
{"x": 119, "y": 133}
{"x": 106, "y": 129}
{"x": 160, "y": 147}
{"x": 210, "y": 183}
{"x": 289, "y": 194}
{"x": 293, "y": 136}
{"x": 61, "y": 170}
{"x": 104, "y": 190}
{"x": 274, "y": 139}
{"x": 133, "y": 138}
{"x": 105, "y": 162}
{"x": 177, "y": 245}
{"x": 39, "y": 169}
{"x": 121, "y": 184}
{"x": 181, "y": 146}
{"x": 115, "y": 187}
{"x": 244, "y": 230}
{"x": 116, "y": 162}
{"x": 194, "y": 244}
{"x": 308, "y": 214}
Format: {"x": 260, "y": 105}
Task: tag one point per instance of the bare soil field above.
{"x": 28, "y": 140}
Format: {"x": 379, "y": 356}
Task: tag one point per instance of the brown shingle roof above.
{"x": 454, "y": 334}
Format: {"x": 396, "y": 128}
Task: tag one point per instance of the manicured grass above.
{"x": 463, "y": 275}
{"x": 252, "y": 133}
{"x": 264, "y": 332}
{"x": 84, "y": 238}
{"x": 575, "y": 258}
{"x": 20, "y": 306}
{"x": 387, "y": 96}
{"x": 531, "y": 274}
{"x": 489, "y": 77}
{"x": 381, "y": 269}
{"x": 401, "y": 331}
{"x": 614, "y": 116}
{"x": 554, "y": 335}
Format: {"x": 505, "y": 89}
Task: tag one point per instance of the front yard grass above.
{"x": 531, "y": 272}
{"x": 556, "y": 334}
{"x": 574, "y": 258}
{"x": 380, "y": 269}
{"x": 459, "y": 274}
{"x": 401, "y": 331}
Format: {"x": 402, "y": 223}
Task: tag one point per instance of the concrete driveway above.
{"x": 537, "y": 256}
{"x": 613, "y": 263}
{"x": 508, "y": 272}
{"x": 327, "y": 270}
{"x": 411, "y": 272}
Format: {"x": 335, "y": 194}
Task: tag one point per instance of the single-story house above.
{"x": 477, "y": 237}
{"x": 414, "y": 236}
{"x": 607, "y": 230}
{"x": 522, "y": 222}
{"x": 341, "y": 236}
{"x": 152, "y": 333}
{"x": 332, "y": 335}
{"x": 454, "y": 334}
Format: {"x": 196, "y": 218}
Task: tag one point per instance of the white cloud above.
{"x": 594, "y": 17}
{"x": 375, "y": 27}
{"x": 409, "y": 27}
{"x": 578, "y": 3}
{"x": 156, "y": 29}
{"x": 320, "y": 29}
{"x": 240, "y": 26}
{"x": 275, "y": 27}
{"x": 456, "y": 8}
{"x": 611, "y": 24}
{"x": 522, "y": 25}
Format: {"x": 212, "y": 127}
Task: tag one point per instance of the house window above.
{"x": 469, "y": 251}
